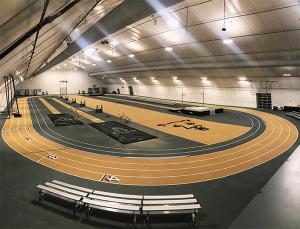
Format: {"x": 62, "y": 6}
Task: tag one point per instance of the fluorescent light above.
{"x": 108, "y": 61}
{"x": 242, "y": 78}
{"x": 172, "y": 22}
{"x": 227, "y": 41}
{"x": 287, "y": 74}
{"x": 168, "y": 49}
{"x": 204, "y": 78}
{"x": 131, "y": 55}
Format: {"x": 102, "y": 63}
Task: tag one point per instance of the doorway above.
{"x": 130, "y": 89}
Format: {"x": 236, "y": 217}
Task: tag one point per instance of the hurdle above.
{"x": 99, "y": 109}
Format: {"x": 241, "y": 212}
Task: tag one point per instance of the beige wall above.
{"x": 49, "y": 81}
{"x": 222, "y": 91}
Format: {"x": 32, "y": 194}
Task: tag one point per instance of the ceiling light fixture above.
{"x": 168, "y": 49}
{"x": 108, "y": 61}
{"x": 227, "y": 41}
{"x": 172, "y": 22}
{"x": 174, "y": 77}
{"x": 204, "y": 78}
{"x": 242, "y": 78}
{"x": 94, "y": 64}
{"x": 131, "y": 55}
{"x": 287, "y": 74}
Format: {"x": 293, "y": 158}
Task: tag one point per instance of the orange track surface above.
{"x": 278, "y": 137}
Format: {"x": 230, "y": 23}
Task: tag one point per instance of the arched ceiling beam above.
{"x": 123, "y": 15}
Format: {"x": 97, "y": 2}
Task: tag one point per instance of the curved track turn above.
{"x": 277, "y": 138}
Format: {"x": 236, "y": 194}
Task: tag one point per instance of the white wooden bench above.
{"x": 73, "y": 186}
{"x": 133, "y": 205}
{"x": 115, "y": 202}
{"x": 61, "y": 190}
{"x": 170, "y": 204}
{"x": 74, "y": 198}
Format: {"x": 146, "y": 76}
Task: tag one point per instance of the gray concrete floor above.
{"x": 278, "y": 204}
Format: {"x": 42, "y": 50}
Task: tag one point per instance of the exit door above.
{"x": 130, "y": 90}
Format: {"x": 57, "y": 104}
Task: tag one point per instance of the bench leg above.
{"x": 75, "y": 208}
{"x": 41, "y": 194}
{"x": 88, "y": 211}
{"x": 194, "y": 219}
{"x": 133, "y": 218}
{"x": 147, "y": 219}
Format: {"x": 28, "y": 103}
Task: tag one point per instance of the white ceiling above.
{"x": 265, "y": 37}
{"x": 18, "y": 16}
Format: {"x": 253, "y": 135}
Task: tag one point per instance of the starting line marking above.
{"x": 109, "y": 178}
{"x": 52, "y": 156}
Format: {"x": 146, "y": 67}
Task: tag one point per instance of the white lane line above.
{"x": 280, "y": 134}
{"x": 187, "y": 168}
{"x": 165, "y": 154}
{"x": 188, "y": 162}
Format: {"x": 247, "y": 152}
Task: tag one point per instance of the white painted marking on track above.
{"x": 251, "y": 159}
{"x": 177, "y": 153}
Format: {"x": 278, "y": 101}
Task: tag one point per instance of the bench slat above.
{"x": 73, "y": 186}
{"x": 66, "y": 189}
{"x": 172, "y": 201}
{"x": 59, "y": 193}
{"x": 107, "y": 204}
{"x": 118, "y": 200}
{"x": 171, "y": 207}
{"x": 165, "y": 197}
{"x": 118, "y": 195}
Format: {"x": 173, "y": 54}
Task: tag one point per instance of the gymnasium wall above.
{"x": 49, "y": 81}
{"x": 222, "y": 91}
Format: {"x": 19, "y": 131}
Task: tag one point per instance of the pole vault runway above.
{"x": 278, "y": 136}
